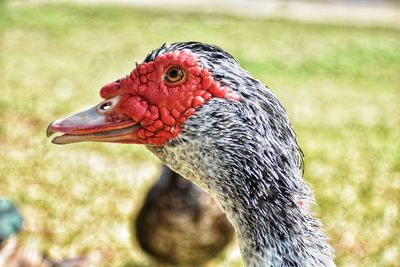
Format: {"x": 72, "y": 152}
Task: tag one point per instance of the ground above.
{"x": 339, "y": 84}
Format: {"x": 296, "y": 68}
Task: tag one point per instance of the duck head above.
{"x": 152, "y": 103}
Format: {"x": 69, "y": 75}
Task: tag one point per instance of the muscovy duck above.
{"x": 208, "y": 119}
{"x": 13, "y": 255}
{"x": 179, "y": 224}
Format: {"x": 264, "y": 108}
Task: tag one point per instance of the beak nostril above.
{"x": 107, "y": 105}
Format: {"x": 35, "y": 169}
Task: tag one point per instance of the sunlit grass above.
{"x": 339, "y": 84}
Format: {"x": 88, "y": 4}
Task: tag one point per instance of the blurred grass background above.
{"x": 339, "y": 84}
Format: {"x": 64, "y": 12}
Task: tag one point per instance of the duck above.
{"x": 194, "y": 107}
{"x": 174, "y": 212}
{"x": 14, "y": 255}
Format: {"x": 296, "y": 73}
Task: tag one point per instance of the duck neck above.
{"x": 274, "y": 230}
{"x": 268, "y": 207}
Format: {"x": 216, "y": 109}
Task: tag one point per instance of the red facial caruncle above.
{"x": 157, "y": 97}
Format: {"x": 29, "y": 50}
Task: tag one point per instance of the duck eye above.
{"x": 174, "y": 75}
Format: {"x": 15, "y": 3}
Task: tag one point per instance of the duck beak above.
{"x": 101, "y": 123}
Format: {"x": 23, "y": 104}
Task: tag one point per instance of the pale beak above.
{"x": 101, "y": 123}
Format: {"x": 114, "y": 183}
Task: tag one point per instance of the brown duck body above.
{"x": 179, "y": 224}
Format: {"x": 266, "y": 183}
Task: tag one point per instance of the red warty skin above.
{"x": 159, "y": 106}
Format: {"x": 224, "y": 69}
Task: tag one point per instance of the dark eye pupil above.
{"x": 173, "y": 73}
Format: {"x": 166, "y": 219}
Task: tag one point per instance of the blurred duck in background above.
{"x": 181, "y": 225}
{"x": 13, "y": 255}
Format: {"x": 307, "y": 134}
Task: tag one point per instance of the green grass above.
{"x": 339, "y": 84}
